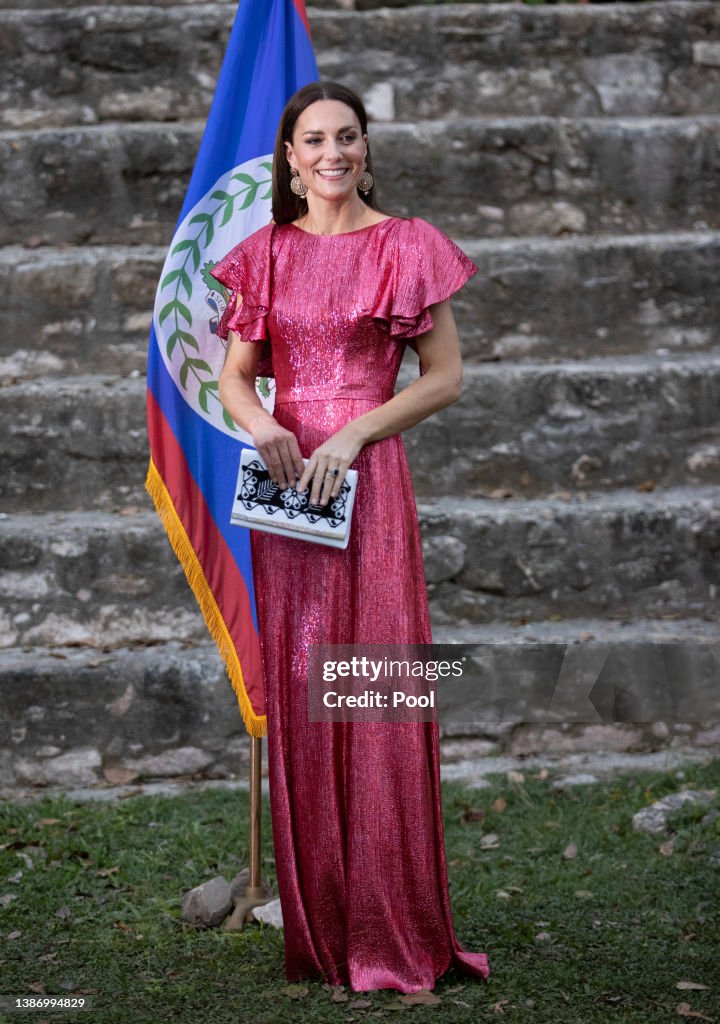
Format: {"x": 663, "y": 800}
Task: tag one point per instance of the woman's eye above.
{"x": 349, "y": 138}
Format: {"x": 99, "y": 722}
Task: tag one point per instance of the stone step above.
{"x": 570, "y": 297}
{"x": 74, "y": 716}
{"x": 530, "y": 429}
{"x": 160, "y": 62}
{"x": 622, "y": 555}
{"x": 474, "y": 177}
{"x": 111, "y": 580}
{"x": 527, "y": 428}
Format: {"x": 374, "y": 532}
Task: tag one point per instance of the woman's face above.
{"x": 328, "y": 148}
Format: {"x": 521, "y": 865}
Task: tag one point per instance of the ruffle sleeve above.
{"x": 428, "y": 267}
{"x": 245, "y": 272}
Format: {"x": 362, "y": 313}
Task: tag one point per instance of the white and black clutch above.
{"x": 261, "y": 505}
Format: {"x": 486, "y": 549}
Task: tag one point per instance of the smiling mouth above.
{"x": 335, "y": 173}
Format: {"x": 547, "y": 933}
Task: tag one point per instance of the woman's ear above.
{"x": 289, "y": 152}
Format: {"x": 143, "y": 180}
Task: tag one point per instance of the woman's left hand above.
{"x": 338, "y": 452}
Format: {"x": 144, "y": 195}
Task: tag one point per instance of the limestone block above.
{"x": 653, "y": 819}
{"x": 444, "y": 557}
{"x": 208, "y": 904}
{"x": 79, "y": 767}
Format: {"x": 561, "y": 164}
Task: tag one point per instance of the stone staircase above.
{"x": 572, "y": 151}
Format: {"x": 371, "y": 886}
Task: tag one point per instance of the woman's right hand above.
{"x": 279, "y": 449}
{"x": 236, "y": 388}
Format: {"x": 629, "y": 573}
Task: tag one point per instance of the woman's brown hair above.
{"x": 286, "y": 206}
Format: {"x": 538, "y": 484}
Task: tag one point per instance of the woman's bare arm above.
{"x": 236, "y": 388}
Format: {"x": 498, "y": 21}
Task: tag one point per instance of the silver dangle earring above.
{"x": 365, "y": 181}
{"x": 297, "y": 185}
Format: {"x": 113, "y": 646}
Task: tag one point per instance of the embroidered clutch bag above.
{"x": 261, "y": 505}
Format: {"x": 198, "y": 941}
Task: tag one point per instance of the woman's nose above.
{"x": 332, "y": 150}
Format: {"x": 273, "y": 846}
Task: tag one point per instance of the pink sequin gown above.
{"x": 356, "y": 807}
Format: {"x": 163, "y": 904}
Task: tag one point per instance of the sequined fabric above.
{"x": 356, "y": 807}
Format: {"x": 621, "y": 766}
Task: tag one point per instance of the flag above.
{"x": 194, "y": 444}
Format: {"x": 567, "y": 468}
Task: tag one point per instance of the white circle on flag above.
{"x": 189, "y": 302}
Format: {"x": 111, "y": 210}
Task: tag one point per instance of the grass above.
{"x": 99, "y": 909}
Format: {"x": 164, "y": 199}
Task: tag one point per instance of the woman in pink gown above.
{"x": 334, "y": 290}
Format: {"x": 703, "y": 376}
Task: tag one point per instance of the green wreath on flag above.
{"x": 182, "y": 343}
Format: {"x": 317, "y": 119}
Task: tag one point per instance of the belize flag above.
{"x": 194, "y": 445}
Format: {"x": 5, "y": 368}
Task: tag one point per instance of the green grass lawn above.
{"x": 602, "y": 935}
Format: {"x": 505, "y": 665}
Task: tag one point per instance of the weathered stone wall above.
{"x": 570, "y": 496}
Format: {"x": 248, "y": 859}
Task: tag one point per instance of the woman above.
{"x": 333, "y": 290}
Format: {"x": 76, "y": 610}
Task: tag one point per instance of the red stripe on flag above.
{"x": 222, "y": 573}
{"x": 300, "y": 8}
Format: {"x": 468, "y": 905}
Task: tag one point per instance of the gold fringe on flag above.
{"x": 256, "y": 725}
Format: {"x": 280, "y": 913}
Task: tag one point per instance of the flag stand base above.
{"x": 255, "y": 892}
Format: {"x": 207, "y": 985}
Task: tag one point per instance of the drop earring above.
{"x": 365, "y": 181}
{"x": 297, "y": 185}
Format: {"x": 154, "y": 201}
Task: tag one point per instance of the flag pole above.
{"x": 255, "y": 892}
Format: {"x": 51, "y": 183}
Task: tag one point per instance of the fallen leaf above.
{"x": 500, "y": 804}
{"x": 104, "y": 872}
{"x": 473, "y": 814}
{"x": 422, "y": 998}
{"x": 570, "y": 851}
{"x": 120, "y": 776}
{"x": 680, "y": 984}
{"x": 359, "y": 1004}
{"x": 515, "y": 777}
{"x": 684, "y": 1010}
{"x": 339, "y": 996}
{"x": 502, "y": 894}
{"x": 583, "y": 894}
{"x": 541, "y": 775}
{"x": 488, "y": 841}
{"x": 667, "y": 849}
{"x": 49, "y": 821}
{"x": 499, "y": 1006}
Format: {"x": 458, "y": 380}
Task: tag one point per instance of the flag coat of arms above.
{"x": 194, "y": 444}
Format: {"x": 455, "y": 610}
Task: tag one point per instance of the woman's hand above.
{"x": 338, "y": 451}
{"x": 279, "y": 449}
{"x": 236, "y": 387}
